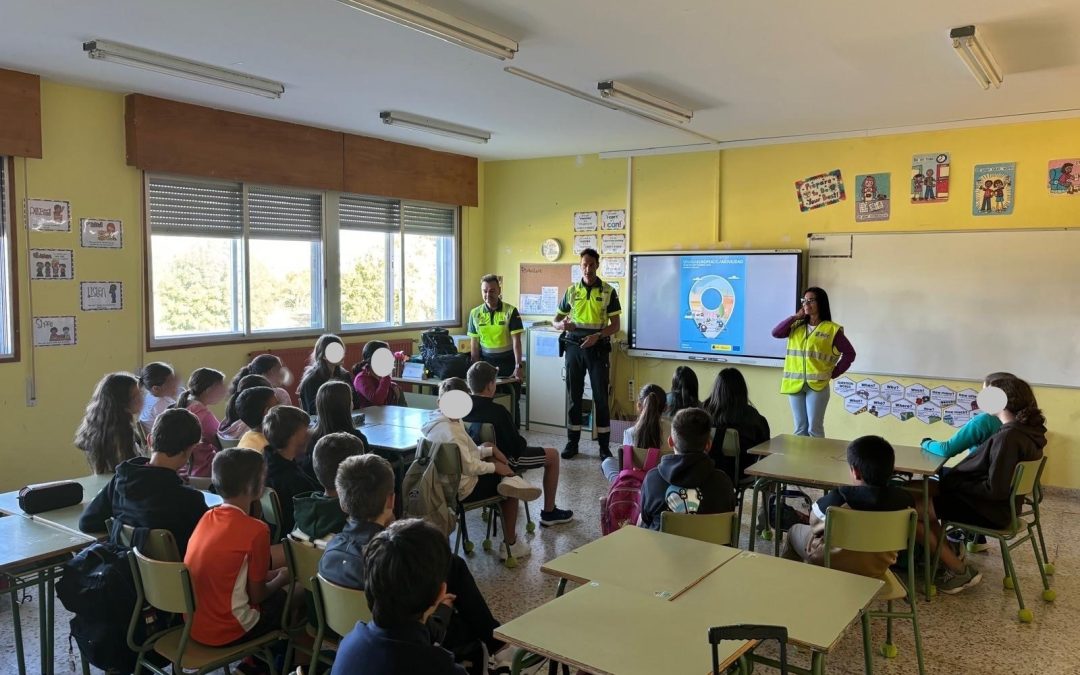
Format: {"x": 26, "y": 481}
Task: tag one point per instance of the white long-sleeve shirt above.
{"x": 441, "y": 429}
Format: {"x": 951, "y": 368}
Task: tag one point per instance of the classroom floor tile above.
{"x": 973, "y": 632}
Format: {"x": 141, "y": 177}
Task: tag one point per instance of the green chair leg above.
{"x": 1024, "y": 614}
{"x": 1048, "y": 594}
{"x": 888, "y": 650}
{"x": 868, "y": 648}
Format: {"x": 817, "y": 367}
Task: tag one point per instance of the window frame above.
{"x": 331, "y": 274}
{"x": 9, "y": 266}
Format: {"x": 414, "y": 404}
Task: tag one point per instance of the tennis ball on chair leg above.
{"x": 1049, "y": 595}
{"x": 1049, "y": 569}
{"x": 469, "y": 546}
{"x": 889, "y": 650}
{"x": 1008, "y": 583}
{"x": 1025, "y": 615}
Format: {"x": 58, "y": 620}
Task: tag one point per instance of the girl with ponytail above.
{"x": 205, "y": 387}
{"x": 275, "y": 372}
{"x": 652, "y": 429}
{"x": 232, "y": 427}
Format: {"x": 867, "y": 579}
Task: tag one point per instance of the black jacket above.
{"x": 486, "y": 411}
{"x": 310, "y": 383}
{"x": 690, "y": 470}
{"x": 288, "y": 480}
{"x": 984, "y": 479}
{"x": 147, "y": 496}
{"x": 400, "y": 650}
{"x": 753, "y": 430}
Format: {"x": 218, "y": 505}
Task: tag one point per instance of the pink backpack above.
{"x": 622, "y": 506}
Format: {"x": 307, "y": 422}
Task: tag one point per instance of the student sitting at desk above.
{"x": 318, "y": 514}
{"x": 109, "y": 433}
{"x": 232, "y": 427}
{"x": 976, "y": 491}
{"x": 684, "y": 391}
{"x": 147, "y": 492}
{"x": 321, "y": 370}
{"x": 651, "y": 430}
{"x": 252, "y": 406}
{"x": 689, "y": 477}
{"x": 333, "y": 405}
{"x": 286, "y": 429}
{"x": 370, "y": 388}
{"x": 871, "y": 460}
{"x": 729, "y": 407}
{"x": 974, "y": 433}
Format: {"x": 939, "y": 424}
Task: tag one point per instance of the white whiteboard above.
{"x": 956, "y": 305}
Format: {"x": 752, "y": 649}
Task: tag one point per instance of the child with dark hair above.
{"x": 684, "y": 391}
{"x": 228, "y": 558}
{"x": 651, "y": 430}
{"x": 365, "y": 487}
{"x": 148, "y": 492}
{"x": 729, "y": 407}
{"x": 321, "y": 370}
{"x": 333, "y": 405}
{"x": 232, "y": 427}
{"x": 270, "y": 367}
{"x": 687, "y": 481}
{"x": 871, "y": 461}
{"x": 405, "y": 583}
{"x": 252, "y": 406}
{"x": 109, "y": 433}
{"x": 319, "y": 514}
{"x": 372, "y": 389}
{"x": 205, "y": 387}
{"x": 286, "y": 430}
{"x": 161, "y": 384}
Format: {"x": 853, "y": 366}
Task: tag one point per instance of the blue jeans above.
{"x": 808, "y": 410}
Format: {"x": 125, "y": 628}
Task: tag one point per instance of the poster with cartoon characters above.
{"x": 1062, "y": 179}
{"x": 994, "y": 193}
{"x": 930, "y": 178}
{"x": 54, "y": 331}
{"x": 48, "y": 215}
{"x": 101, "y": 295}
{"x": 872, "y": 203}
{"x": 820, "y": 190}
{"x": 98, "y": 233}
{"x": 51, "y": 264}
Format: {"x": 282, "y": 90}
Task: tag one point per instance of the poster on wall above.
{"x": 994, "y": 189}
{"x": 48, "y": 215}
{"x": 930, "y": 178}
{"x": 51, "y": 264}
{"x": 873, "y": 201}
{"x": 585, "y": 221}
{"x": 821, "y": 190}
{"x": 1062, "y": 177}
{"x": 613, "y": 244}
{"x": 584, "y": 241}
{"x": 914, "y": 401}
{"x": 613, "y": 267}
{"x": 613, "y": 220}
{"x": 54, "y": 331}
{"x": 101, "y": 295}
{"x": 99, "y": 233}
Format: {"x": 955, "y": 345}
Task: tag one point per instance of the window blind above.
{"x": 372, "y": 215}
{"x": 283, "y": 214}
{"x": 433, "y": 221}
{"x": 3, "y": 197}
{"x": 191, "y": 208}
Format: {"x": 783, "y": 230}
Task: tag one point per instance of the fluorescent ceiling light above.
{"x": 973, "y": 52}
{"x": 606, "y": 103}
{"x": 431, "y": 21}
{"x": 644, "y": 102}
{"x": 434, "y": 126}
{"x": 114, "y": 52}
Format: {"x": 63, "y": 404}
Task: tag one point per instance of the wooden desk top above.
{"x": 816, "y": 604}
{"x": 909, "y": 459}
{"x": 611, "y": 630}
{"x": 434, "y": 381}
{"x": 811, "y": 470}
{"x": 651, "y": 562}
{"x": 394, "y": 415}
{"x": 390, "y": 437}
{"x": 26, "y": 540}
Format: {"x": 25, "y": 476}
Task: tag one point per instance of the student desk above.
{"x": 394, "y": 415}
{"x": 660, "y": 564}
{"x": 607, "y": 629}
{"x": 27, "y": 558}
{"x": 392, "y": 438}
{"x": 432, "y": 383}
{"x": 822, "y": 462}
{"x": 815, "y": 604}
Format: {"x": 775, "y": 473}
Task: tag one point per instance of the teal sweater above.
{"x": 973, "y": 434}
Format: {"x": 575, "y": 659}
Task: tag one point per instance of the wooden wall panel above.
{"x": 388, "y": 169}
{"x": 180, "y": 138}
{"x": 20, "y": 114}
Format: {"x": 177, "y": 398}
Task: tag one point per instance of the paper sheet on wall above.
{"x": 613, "y": 220}
{"x": 575, "y": 274}
{"x": 547, "y": 345}
{"x": 584, "y": 241}
{"x": 613, "y": 244}
{"x": 913, "y": 401}
{"x": 613, "y": 267}
{"x": 549, "y": 299}
{"x": 585, "y": 221}
{"x": 531, "y": 303}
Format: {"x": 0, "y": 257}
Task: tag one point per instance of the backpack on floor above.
{"x": 789, "y": 515}
{"x": 622, "y": 506}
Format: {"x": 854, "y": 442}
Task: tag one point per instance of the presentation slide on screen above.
{"x": 715, "y": 304}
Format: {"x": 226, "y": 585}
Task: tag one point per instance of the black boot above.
{"x": 570, "y": 450}
{"x": 604, "y": 439}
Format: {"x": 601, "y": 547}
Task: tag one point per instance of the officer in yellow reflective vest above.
{"x": 495, "y": 328}
{"x": 588, "y": 317}
{"x": 817, "y": 352}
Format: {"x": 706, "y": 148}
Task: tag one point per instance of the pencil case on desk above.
{"x": 50, "y": 496}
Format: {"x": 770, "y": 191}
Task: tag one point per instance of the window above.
{"x": 7, "y": 252}
{"x": 235, "y": 261}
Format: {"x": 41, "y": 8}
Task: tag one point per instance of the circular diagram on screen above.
{"x": 712, "y": 300}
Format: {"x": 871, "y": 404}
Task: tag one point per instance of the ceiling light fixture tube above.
{"x": 434, "y": 126}
{"x": 644, "y": 102}
{"x": 973, "y": 52}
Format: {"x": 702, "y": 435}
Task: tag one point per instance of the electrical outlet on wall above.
{"x": 630, "y": 388}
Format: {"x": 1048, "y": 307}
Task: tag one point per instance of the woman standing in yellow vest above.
{"x": 817, "y": 352}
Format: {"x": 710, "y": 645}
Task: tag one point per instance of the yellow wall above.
{"x": 84, "y": 163}
{"x": 748, "y": 196}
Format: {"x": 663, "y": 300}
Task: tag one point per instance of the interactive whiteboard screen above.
{"x": 717, "y": 306}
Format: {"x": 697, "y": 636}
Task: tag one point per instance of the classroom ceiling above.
{"x": 749, "y": 69}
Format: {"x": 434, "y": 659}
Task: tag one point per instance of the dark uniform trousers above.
{"x": 593, "y": 361}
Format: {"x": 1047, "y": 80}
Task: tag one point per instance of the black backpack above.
{"x": 441, "y": 357}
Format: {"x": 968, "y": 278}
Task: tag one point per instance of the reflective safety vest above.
{"x": 810, "y": 358}
{"x": 493, "y": 328}
{"x": 588, "y": 306}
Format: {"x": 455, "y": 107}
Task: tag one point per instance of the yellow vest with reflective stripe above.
{"x": 810, "y": 358}
{"x": 589, "y": 305}
{"x": 493, "y": 328}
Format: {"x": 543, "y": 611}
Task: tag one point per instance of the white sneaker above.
{"x": 519, "y": 549}
{"x": 516, "y": 487}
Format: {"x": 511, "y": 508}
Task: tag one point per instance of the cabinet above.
{"x": 547, "y": 399}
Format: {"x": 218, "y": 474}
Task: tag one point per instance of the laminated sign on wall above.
{"x": 914, "y": 401}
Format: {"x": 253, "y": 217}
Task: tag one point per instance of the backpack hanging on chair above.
{"x": 622, "y": 505}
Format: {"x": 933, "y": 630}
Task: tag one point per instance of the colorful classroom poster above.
{"x": 968, "y": 398}
{"x": 903, "y": 409}
{"x": 917, "y": 394}
{"x": 98, "y": 233}
{"x": 928, "y": 413}
{"x": 873, "y": 201}
{"x": 821, "y": 190}
{"x": 855, "y": 404}
{"x": 101, "y": 295}
{"x": 584, "y": 241}
{"x": 613, "y": 221}
{"x": 930, "y": 178}
{"x": 1062, "y": 177}
{"x": 585, "y": 221}
{"x": 54, "y": 331}
{"x": 879, "y": 406}
{"x": 994, "y": 193}
{"x": 867, "y": 388}
{"x": 942, "y": 396}
{"x": 892, "y": 390}
{"x": 713, "y": 313}
{"x": 54, "y": 264}
{"x": 955, "y": 415}
{"x": 48, "y": 215}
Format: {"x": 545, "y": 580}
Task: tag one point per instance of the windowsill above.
{"x": 218, "y": 339}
